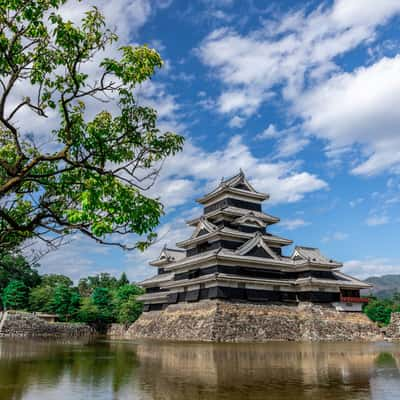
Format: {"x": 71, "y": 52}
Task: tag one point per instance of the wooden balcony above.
{"x": 347, "y": 299}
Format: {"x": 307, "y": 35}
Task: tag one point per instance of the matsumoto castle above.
{"x": 232, "y": 255}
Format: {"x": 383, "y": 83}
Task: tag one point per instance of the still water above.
{"x": 114, "y": 370}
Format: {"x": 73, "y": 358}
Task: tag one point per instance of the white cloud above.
{"x": 363, "y": 12}
{"x": 291, "y": 145}
{"x": 375, "y": 220}
{"x": 292, "y": 224}
{"x": 359, "y": 108}
{"x": 289, "y": 141}
{"x": 123, "y": 16}
{"x": 236, "y": 122}
{"x": 174, "y": 192}
{"x": 371, "y": 267}
{"x": 335, "y": 236}
{"x": 245, "y": 101}
{"x": 268, "y": 133}
{"x": 78, "y": 258}
{"x": 155, "y": 95}
{"x": 136, "y": 262}
{"x": 286, "y": 51}
{"x": 283, "y": 180}
{"x": 345, "y": 109}
{"x": 220, "y": 15}
{"x": 208, "y": 103}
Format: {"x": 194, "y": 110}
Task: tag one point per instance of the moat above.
{"x": 102, "y": 369}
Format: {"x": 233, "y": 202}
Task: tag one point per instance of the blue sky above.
{"x": 304, "y": 96}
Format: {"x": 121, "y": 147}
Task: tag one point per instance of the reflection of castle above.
{"x": 252, "y": 371}
{"x": 232, "y": 255}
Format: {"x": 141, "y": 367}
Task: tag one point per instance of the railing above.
{"x": 348, "y": 299}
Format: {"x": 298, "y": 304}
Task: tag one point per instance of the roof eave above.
{"x": 241, "y": 235}
{"x": 158, "y": 263}
{"x": 270, "y": 220}
{"x": 256, "y": 195}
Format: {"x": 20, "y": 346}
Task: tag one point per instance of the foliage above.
{"x": 380, "y": 310}
{"x": 105, "y": 280}
{"x": 54, "y": 280}
{"x": 65, "y": 302}
{"x": 46, "y": 296}
{"x": 88, "y": 311}
{"x": 102, "y": 299}
{"x": 99, "y": 299}
{"x": 123, "y": 280}
{"x": 15, "y": 295}
{"x": 14, "y": 266}
{"x": 128, "y": 309}
{"x": 40, "y": 298}
{"x": 91, "y": 176}
{"x": 110, "y": 300}
{"x": 98, "y": 308}
{"x": 84, "y": 288}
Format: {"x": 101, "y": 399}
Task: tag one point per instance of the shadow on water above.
{"x": 179, "y": 371}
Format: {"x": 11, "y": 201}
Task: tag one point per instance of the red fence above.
{"x": 345, "y": 299}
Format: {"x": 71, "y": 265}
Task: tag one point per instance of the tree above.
{"x": 101, "y": 298}
{"x": 88, "y": 312}
{"x": 123, "y": 280}
{"x": 65, "y": 302}
{"x": 84, "y": 287}
{"x": 14, "y": 266}
{"x": 15, "y": 295}
{"x": 127, "y": 308}
{"x": 87, "y": 285}
{"x": 379, "y": 311}
{"x": 92, "y": 177}
{"x": 54, "y": 280}
{"x": 40, "y": 298}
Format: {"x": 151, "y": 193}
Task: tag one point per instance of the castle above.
{"x": 232, "y": 256}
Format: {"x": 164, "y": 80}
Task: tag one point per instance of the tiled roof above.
{"x": 231, "y": 184}
{"x": 157, "y": 279}
{"x": 312, "y": 254}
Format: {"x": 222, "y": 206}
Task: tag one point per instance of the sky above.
{"x": 303, "y": 96}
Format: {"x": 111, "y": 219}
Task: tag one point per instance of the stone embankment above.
{"x": 221, "y": 321}
{"x": 21, "y": 324}
{"x": 393, "y": 329}
{"x": 117, "y": 330}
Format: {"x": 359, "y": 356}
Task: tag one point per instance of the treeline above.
{"x": 380, "y": 310}
{"x": 99, "y": 299}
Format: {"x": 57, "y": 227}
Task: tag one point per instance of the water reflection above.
{"x": 159, "y": 371}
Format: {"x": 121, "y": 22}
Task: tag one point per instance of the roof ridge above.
{"x": 252, "y": 242}
{"x": 171, "y": 249}
{"x": 306, "y": 247}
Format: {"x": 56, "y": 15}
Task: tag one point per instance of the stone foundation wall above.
{"x": 192, "y": 321}
{"x": 393, "y": 329}
{"x": 19, "y": 324}
{"x": 221, "y": 321}
{"x": 116, "y": 330}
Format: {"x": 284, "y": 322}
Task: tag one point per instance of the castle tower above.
{"x": 232, "y": 255}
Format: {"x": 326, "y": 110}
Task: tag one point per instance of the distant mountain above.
{"x": 384, "y": 286}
